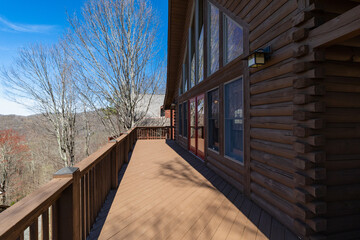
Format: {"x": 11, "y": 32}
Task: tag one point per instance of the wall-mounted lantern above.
{"x": 259, "y": 57}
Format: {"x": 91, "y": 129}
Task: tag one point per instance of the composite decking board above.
{"x": 212, "y": 210}
{"x": 265, "y": 223}
{"x": 170, "y": 214}
{"x": 167, "y": 193}
{"x": 188, "y": 220}
{"x": 174, "y": 223}
{"x": 255, "y": 214}
{"x": 277, "y": 230}
{"x": 151, "y": 218}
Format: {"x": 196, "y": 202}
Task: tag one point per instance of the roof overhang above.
{"x": 177, "y": 18}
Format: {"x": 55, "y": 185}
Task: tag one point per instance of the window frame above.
{"x": 224, "y": 128}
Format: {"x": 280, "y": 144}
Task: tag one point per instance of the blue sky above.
{"x": 24, "y": 21}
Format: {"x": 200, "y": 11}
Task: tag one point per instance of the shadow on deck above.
{"x": 167, "y": 193}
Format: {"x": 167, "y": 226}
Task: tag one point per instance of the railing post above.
{"x": 68, "y": 212}
{"x": 114, "y": 167}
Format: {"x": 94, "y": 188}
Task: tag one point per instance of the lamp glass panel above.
{"x": 260, "y": 58}
{"x": 251, "y": 60}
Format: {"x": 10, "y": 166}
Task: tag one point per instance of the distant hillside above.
{"x": 44, "y": 158}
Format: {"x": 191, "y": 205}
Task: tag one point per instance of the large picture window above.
{"x": 213, "y": 44}
{"x": 200, "y": 41}
{"x": 192, "y": 56}
{"x": 185, "y": 73}
{"x": 233, "y": 101}
{"x": 233, "y": 39}
{"x": 213, "y": 120}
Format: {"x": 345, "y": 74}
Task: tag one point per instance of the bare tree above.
{"x": 114, "y": 43}
{"x": 42, "y": 79}
{"x": 13, "y": 156}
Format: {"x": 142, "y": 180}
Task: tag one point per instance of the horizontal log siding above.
{"x": 342, "y": 100}
{"x": 272, "y": 180}
{"x": 300, "y": 112}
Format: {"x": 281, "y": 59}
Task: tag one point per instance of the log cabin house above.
{"x": 285, "y": 130}
{"x": 266, "y": 101}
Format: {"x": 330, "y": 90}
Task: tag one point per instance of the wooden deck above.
{"x": 166, "y": 193}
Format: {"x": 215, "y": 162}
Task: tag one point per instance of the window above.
{"x": 213, "y": 44}
{"x": 162, "y": 112}
{"x": 200, "y": 39}
{"x": 185, "y": 73}
{"x": 233, "y": 39}
{"x": 213, "y": 120}
{"x": 180, "y": 120}
{"x": 192, "y": 56}
{"x": 181, "y": 87}
{"x": 185, "y": 119}
{"x": 233, "y": 101}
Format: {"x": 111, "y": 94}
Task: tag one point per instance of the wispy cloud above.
{"x": 6, "y": 25}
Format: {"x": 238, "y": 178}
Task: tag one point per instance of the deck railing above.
{"x": 67, "y": 206}
{"x": 164, "y": 132}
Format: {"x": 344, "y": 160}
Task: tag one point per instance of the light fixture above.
{"x": 259, "y": 57}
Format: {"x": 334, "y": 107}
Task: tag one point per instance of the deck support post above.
{"x": 68, "y": 206}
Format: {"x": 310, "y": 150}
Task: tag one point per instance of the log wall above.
{"x": 302, "y": 116}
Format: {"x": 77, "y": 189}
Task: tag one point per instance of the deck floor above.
{"x": 166, "y": 193}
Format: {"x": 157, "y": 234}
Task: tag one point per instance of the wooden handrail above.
{"x": 74, "y": 197}
{"x": 69, "y": 203}
{"x": 15, "y": 219}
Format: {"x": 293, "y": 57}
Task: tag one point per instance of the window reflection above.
{"x": 192, "y": 123}
{"x": 180, "y": 120}
{"x": 186, "y": 73}
{"x": 200, "y": 124}
{"x": 201, "y": 42}
{"x": 213, "y": 119}
{"x": 213, "y": 51}
{"x": 233, "y": 34}
{"x": 185, "y": 119}
{"x": 192, "y": 56}
{"x": 234, "y": 120}
{"x": 201, "y": 55}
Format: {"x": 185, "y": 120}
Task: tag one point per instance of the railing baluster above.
{"x": 34, "y": 230}
{"x": 92, "y": 195}
{"x": 87, "y": 199}
{"x": 21, "y": 237}
{"x": 45, "y": 225}
{"x": 54, "y": 220}
{"x": 83, "y": 208}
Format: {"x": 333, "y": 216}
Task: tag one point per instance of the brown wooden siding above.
{"x": 302, "y": 116}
